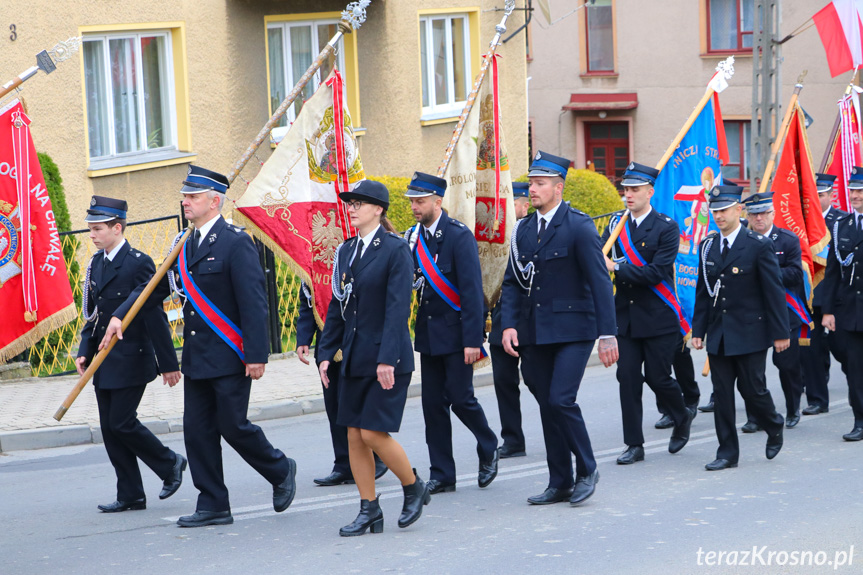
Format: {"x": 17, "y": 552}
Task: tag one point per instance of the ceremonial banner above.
{"x": 35, "y": 296}
{"x": 479, "y": 185}
{"x": 839, "y": 26}
{"x": 795, "y": 200}
{"x": 845, "y": 150}
{"x": 682, "y": 189}
{"x": 293, "y": 206}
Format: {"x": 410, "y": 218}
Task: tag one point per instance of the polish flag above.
{"x": 841, "y": 31}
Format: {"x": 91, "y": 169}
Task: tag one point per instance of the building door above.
{"x": 607, "y": 147}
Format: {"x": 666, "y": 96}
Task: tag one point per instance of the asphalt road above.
{"x": 663, "y": 516}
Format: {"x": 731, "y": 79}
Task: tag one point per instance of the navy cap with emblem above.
{"x": 824, "y": 182}
{"x": 370, "y": 192}
{"x": 639, "y": 175}
{"x": 855, "y": 181}
{"x": 759, "y": 203}
{"x": 422, "y": 185}
{"x": 550, "y": 166}
{"x": 722, "y": 197}
{"x": 200, "y": 180}
{"x": 520, "y": 189}
{"x": 104, "y": 209}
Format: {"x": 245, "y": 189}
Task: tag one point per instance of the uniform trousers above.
{"x": 217, "y": 408}
{"x": 655, "y": 355}
{"x": 506, "y": 380}
{"x": 553, "y": 372}
{"x": 747, "y": 371}
{"x": 815, "y": 359}
{"x": 790, "y": 376}
{"x": 684, "y": 374}
{"x": 448, "y": 383}
{"x": 338, "y": 433}
{"x": 127, "y": 440}
{"x": 854, "y": 373}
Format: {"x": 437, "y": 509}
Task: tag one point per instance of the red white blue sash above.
{"x": 799, "y": 309}
{"x": 219, "y": 322}
{"x": 434, "y": 276}
{"x": 662, "y": 289}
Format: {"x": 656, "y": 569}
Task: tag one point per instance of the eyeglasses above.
{"x": 355, "y": 205}
{"x": 760, "y": 214}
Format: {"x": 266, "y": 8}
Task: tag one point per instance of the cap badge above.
{"x": 631, "y": 166}
{"x": 715, "y": 192}
{"x": 538, "y": 156}
{"x": 93, "y": 202}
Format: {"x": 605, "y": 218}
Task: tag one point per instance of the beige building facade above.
{"x": 614, "y": 82}
{"x": 158, "y": 85}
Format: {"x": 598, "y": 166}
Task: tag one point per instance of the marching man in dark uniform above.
{"x": 740, "y": 310}
{"x": 221, "y": 277}
{"x": 843, "y": 304}
{"x": 449, "y": 331}
{"x": 504, "y": 366}
{"x": 786, "y": 245}
{"x": 307, "y": 331}
{"x": 557, "y": 300}
{"x": 146, "y": 351}
{"x": 648, "y": 313}
{"x": 815, "y": 357}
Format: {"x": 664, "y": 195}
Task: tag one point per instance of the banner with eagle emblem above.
{"x": 479, "y": 185}
{"x": 292, "y": 205}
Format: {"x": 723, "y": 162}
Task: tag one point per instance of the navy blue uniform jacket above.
{"x": 572, "y": 297}
{"x": 374, "y": 328}
{"x": 788, "y": 253}
{"x": 750, "y": 311}
{"x": 227, "y": 269}
{"x": 842, "y": 285}
{"x": 147, "y": 348}
{"x": 441, "y": 330}
{"x": 640, "y": 312}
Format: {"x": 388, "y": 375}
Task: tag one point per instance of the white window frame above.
{"x": 452, "y": 108}
{"x": 279, "y": 132}
{"x": 169, "y": 95}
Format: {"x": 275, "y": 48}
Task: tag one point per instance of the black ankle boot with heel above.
{"x": 416, "y": 496}
{"x": 370, "y": 517}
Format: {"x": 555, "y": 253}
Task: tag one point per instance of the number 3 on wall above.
{"x": 14, "y": 35}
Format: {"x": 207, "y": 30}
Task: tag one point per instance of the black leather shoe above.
{"x": 632, "y": 454}
{"x": 118, "y": 506}
{"x": 370, "y": 517}
{"x": 436, "y": 486}
{"x": 680, "y": 435}
{"x": 417, "y": 496}
{"x": 584, "y": 488}
{"x": 551, "y": 495}
{"x": 283, "y": 493}
{"x": 204, "y": 518}
{"x": 380, "y": 469}
{"x": 488, "y": 470}
{"x": 707, "y": 407}
{"x": 774, "y": 444}
{"x": 173, "y": 482}
{"x": 693, "y": 409}
{"x": 719, "y": 464}
{"x": 750, "y": 427}
{"x": 855, "y": 435}
{"x": 664, "y": 422}
{"x": 507, "y": 451}
{"x": 335, "y": 478}
{"x": 792, "y": 420}
{"x": 815, "y": 409}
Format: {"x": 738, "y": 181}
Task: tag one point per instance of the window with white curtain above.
{"x": 445, "y": 64}
{"x": 292, "y": 47}
{"x": 129, "y": 90}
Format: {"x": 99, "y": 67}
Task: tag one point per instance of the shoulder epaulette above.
{"x": 457, "y": 223}
{"x": 236, "y": 228}
{"x": 579, "y": 212}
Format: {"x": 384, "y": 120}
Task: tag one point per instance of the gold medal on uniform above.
{"x": 735, "y": 270}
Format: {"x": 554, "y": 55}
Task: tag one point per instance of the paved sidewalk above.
{"x": 27, "y": 406}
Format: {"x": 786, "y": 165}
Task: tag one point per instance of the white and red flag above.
{"x": 841, "y": 30}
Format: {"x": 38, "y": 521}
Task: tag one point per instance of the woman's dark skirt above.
{"x": 363, "y": 403}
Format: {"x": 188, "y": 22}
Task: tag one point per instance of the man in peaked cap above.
{"x": 147, "y": 350}
{"x": 220, "y": 361}
{"x": 786, "y": 246}
{"x": 739, "y": 314}
{"x": 556, "y": 301}
{"x": 449, "y": 331}
{"x": 843, "y": 303}
{"x": 648, "y": 326}
{"x": 815, "y": 357}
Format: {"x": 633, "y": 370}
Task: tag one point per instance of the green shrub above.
{"x": 590, "y": 192}
{"x": 399, "y": 212}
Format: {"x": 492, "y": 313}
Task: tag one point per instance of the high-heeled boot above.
{"x": 416, "y": 496}
{"x": 370, "y": 517}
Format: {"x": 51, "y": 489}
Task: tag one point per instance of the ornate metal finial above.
{"x": 508, "y": 7}
{"x": 726, "y": 67}
{"x": 355, "y": 13}
{"x": 63, "y": 50}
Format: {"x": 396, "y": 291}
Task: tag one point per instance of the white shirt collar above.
{"x": 547, "y": 217}
{"x": 113, "y": 253}
{"x": 827, "y": 211}
{"x": 640, "y": 218}
{"x": 432, "y": 228}
{"x": 205, "y": 229}
{"x": 732, "y": 236}
{"x": 367, "y": 240}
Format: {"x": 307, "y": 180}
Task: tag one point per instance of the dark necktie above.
{"x": 357, "y": 256}
{"x": 196, "y": 238}
{"x": 634, "y": 225}
{"x": 105, "y": 263}
{"x": 725, "y": 247}
{"x": 541, "y": 229}
{"x": 860, "y": 224}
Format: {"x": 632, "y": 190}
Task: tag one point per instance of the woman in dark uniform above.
{"x": 368, "y": 320}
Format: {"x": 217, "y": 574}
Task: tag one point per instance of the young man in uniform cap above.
{"x": 786, "y": 246}
{"x": 449, "y": 331}
{"x": 648, "y": 326}
{"x": 843, "y": 304}
{"x": 219, "y": 262}
{"x": 504, "y": 366}
{"x": 740, "y": 310}
{"x": 557, "y": 300}
{"x": 147, "y": 350}
{"x": 815, "y": 357}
